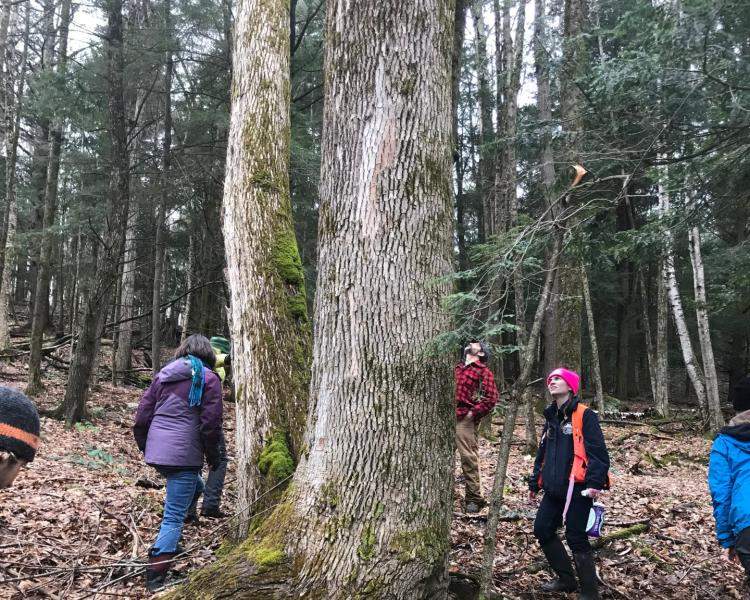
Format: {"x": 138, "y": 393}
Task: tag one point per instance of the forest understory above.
{"x": 81, "y": 520}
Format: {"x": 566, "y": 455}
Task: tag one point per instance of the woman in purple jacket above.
{"x": 178, "y": 421}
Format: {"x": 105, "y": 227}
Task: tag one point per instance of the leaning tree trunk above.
{"x": 110, "y": 245}
{"x": 368, "y": 512}
{"x": 678, "y": 315}
{"x": 269, "y": 324}
{"x": 46, "y": 250}
{"x": 516, "y": 392}
{"x": 715, "y": 418}
{"x": 13, "y": 124}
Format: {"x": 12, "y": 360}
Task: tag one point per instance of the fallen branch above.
{"x": 621, "y": 534}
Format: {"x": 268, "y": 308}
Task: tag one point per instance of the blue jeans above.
{"x": 183, "y": 487}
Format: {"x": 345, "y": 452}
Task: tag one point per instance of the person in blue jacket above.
{"x": 729, "y": 479}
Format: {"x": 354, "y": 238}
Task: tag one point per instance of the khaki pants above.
{"x": 466, "y": 441}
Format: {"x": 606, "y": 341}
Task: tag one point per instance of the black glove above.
{"x": 227, "y": 360}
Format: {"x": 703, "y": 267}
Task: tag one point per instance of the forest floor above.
{"x": 79, "y": 522}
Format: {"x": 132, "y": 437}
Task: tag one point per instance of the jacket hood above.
{"x": 740, "y": 432}
{"x": 739, "y": 427}
{"x": 178, "y": 370}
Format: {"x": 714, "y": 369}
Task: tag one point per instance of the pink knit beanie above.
{"x": 570, "y": 377}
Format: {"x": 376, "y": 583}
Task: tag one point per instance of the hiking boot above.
{"x": 587, "y": 576}
{"x": 155, "y": 580}
{"x": 192, "y": 519}
{"x": 157, "y": 570}
{"x": 558, "y": 559}
{"x": 213, "y": 513}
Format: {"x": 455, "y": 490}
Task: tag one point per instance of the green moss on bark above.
{"x": 275, "y": 461}
{"x": 426, "y": 544}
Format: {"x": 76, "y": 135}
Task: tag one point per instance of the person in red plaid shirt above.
{"x": 476, "y": 396}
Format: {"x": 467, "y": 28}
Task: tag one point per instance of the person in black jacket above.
{"x": 552, "y": 474}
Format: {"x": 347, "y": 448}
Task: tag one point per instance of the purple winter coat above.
{"x": 168, "y": 430}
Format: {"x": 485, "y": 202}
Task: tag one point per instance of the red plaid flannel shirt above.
{"x": 469, "y": 396}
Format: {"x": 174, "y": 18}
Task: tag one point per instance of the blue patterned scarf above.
{"x": 199, "y": 380}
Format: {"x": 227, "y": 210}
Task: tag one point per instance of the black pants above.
{"x": 742, "y": 547}
{"x": 549, "y": 519}
{"x": 215, "y": 479}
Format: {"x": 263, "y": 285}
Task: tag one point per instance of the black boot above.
{"x": 558, "y": 559}
{"x": 587, "y": 576}
{"x": 156, "y": 572}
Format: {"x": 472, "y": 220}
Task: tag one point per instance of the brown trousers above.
{"x": 466, "y": 441}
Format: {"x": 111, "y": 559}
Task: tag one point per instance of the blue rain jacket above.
{"x": 729, "y": 481}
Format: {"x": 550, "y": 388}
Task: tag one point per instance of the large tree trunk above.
{"x": 44, "y": 268}
{"x": 269, "y": 323}
{"x": 13, "y": 124}
{"x": 370, "y": 505}
{"x": 111, "y": 244}
{"x": 568, "y": 331}
{"x": 547, "y": 167}
{"x": 715, "y": 418}
{"x": 678, "y": 315}
{"x": 166, "y": 155}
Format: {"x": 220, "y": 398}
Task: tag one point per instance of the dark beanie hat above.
{"x": 741, "y": 394}
{"x": 19, "y": 424}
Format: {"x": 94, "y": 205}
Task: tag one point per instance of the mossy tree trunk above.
{"x": 270, "y": 328}
{"x": 368, "y": 512}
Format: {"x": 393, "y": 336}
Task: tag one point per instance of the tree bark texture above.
{"x": 108, "y": 249}
{"x": 715, "y": 418}
{"x": 46, "y": 250}
{"x": 369, "y": 510}
{"x": 269, "y": 324}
